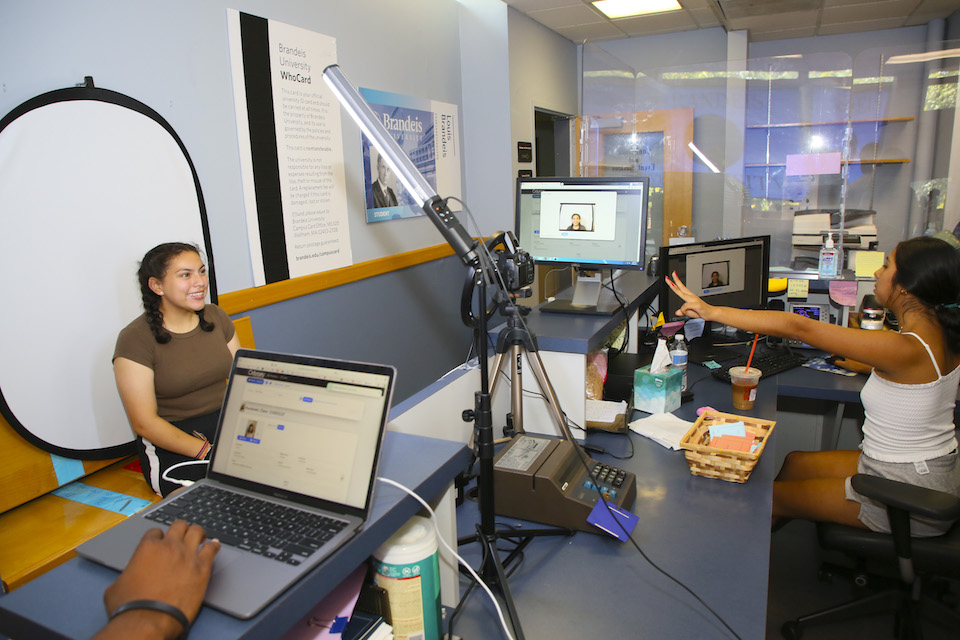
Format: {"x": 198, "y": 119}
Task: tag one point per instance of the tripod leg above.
{"x": 516, "y": 388}
{"x": 495, "y": 577}
{"x": 547, "y": 389}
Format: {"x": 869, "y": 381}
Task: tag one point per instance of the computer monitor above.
{"x": 731, "y": 273}
{"x": 588, "y": 223}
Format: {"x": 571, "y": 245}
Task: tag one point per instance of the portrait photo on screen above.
{"x": 714, "y": 276}
{"x": 562, "y": 213}
{"x": 725, "y": 266}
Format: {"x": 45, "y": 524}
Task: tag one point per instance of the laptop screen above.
{"x": 303, "y": 425}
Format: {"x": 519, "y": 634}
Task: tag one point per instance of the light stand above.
{"x": 466, "y": 249}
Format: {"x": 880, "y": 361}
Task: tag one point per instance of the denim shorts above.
{"x": 943, "y": 475}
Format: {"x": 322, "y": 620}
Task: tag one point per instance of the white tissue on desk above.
{"x": 663, "y": 428}
{"x": 661, "y": 358}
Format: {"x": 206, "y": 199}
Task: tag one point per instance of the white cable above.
{"x": 185, "y": 483}
{"x": 433, "y": 519}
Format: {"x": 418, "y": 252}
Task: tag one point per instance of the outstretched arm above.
{"x": 887, "y": 353}
{"x": 172, "y": 569}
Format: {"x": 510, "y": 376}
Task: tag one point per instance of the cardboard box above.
{"x": 657, "y": 392}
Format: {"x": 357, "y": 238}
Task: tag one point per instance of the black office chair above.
{"x": 919, "y": 559}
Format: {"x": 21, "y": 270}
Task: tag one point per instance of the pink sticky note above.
{"x": 843, "y": 292}
{"x": 808, "y": 164}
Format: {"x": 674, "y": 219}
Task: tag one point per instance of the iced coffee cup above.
{"x": 744, "y": 383}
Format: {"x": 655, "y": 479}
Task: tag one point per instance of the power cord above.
{"x": 644, "y": 555}
{"x": 184, "y": 483}
{"x": 473, "y": 574}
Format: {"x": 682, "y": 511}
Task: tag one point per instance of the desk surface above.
{"x": 584, "y": 333}
{"x": 804, "y": 382}
{"x": 711, "y": 535}
{"x": 426, "y": 465}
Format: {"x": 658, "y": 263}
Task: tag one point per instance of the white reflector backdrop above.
{"x": 87, "y": 186}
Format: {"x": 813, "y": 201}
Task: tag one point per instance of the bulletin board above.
{"x": 90, "y": 179}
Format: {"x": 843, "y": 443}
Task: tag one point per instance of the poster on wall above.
{"x": 291, "y": 155}
{"x": 428, "y": 131}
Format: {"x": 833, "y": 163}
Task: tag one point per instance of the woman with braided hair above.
{"x": 908, "y": 400}
{"x": 171, "y": 364}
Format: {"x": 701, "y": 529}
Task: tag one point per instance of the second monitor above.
{"x": 732, "y": 273}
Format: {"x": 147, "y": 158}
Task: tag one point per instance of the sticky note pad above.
{"x": 732, "y": 443}
{"x": 868, "y": 262}
{"x": 602, "y": 517}
{"x": 798, "y": 288}
{"x": 730, "y": 429}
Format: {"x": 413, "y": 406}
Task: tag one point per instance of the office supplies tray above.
{"x": 732, "y": 466}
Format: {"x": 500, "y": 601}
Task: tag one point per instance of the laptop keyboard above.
{"x": 272, "y": 530}
{"x": 770, "y": 361}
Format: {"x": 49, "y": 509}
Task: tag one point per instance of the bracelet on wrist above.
{"x": 156, "y": 605}
{"x": 204, "y": 448}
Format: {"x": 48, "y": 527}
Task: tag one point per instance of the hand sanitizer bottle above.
{"x": 829, "y": 259}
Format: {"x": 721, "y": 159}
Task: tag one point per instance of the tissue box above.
{"x": 657, "y": 392}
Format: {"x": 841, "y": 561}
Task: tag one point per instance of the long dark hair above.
{"x": 154, "y": 265}
{"x": 929, "y": 268}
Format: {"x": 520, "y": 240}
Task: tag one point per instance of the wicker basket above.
{"x": 733, "y": 466}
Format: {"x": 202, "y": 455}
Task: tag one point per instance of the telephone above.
{"x": 545, "y": 480}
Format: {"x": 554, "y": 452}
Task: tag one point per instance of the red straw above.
{"x": 752, "y": 349}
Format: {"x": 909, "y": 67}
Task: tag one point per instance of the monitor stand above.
{"x": 703, "y": 349}
{"x": 586, "y": 298}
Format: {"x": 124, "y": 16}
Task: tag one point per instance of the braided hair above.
{"x": 929, "y": 268}
{"x": 154, "y": 265}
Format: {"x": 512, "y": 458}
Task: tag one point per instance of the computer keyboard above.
{"x": 769, "y": 360}
{"x": 272, "y": 530}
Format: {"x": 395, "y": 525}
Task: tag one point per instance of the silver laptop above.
{"x": 295, "y": 432}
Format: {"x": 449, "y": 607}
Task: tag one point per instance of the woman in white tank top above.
{"x": 908, "y": 399}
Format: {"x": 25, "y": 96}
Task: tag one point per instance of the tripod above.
{"x": 492, "y": 569}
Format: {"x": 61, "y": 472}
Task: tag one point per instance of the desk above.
{"x": 803, "y": 382}
{"x": 711, "y": 535}
{"x": 68, "y": 601}
{"x": 564, "y": 340}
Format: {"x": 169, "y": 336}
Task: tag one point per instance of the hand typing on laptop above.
{"x": 167, "y": 576}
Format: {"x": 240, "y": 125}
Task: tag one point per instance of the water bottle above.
{"x": 678, "y": 358}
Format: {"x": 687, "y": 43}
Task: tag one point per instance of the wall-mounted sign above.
{"x": 524, "y": 152}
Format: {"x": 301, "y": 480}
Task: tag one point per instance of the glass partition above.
{"x": 794, "y": 146}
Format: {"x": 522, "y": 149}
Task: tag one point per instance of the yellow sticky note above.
{"x": 797, "y": 288}
{"x": 868, "y": 262}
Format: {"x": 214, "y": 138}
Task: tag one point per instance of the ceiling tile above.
{"x": 567, "y": 16}
{"x": 539, "y": 5}
{"x": 735, "y": 9}
{"x": 678, "y": 20}
{"x": 697, "y": 5}
{"x": 596, "y": 31}
{"x": 706, "y": 18}
{"x": 856, "y": 27}
{"x": 872, "y": 10}
{"x": 827, "y": 4}
{"x": 947, "y": 6}
{"x": 775, "y": 22}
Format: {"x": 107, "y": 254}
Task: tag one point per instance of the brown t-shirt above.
{"x": 189, "y": 372}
